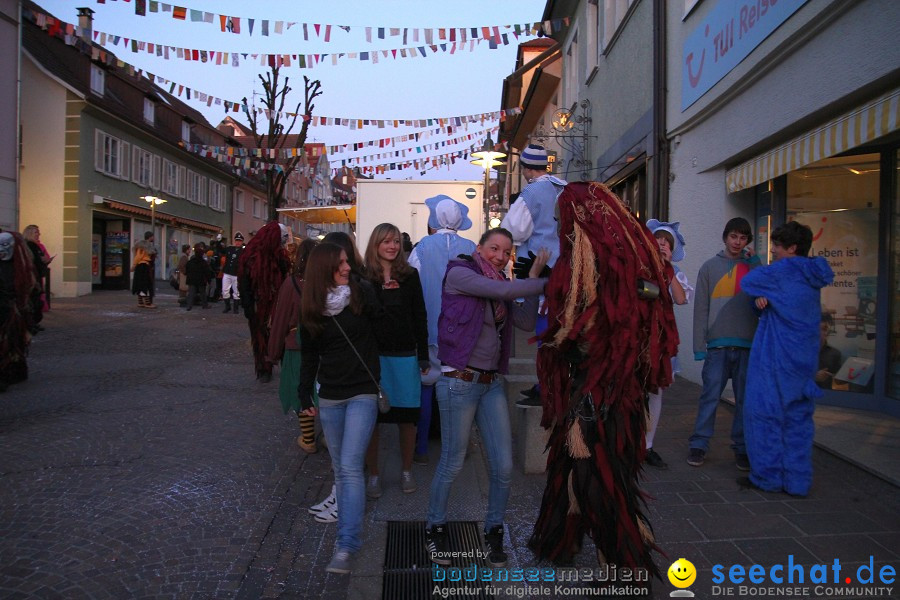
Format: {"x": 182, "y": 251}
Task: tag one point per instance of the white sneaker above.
{"x": 340, "y": 562}
{"x": 327, "y": 516}
{"x": 325, "y": 505}
{"x": 407, "y": 482}
{"x": 373, "y": 488}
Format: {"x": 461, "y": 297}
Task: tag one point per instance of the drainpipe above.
{"x": 660, "y": 146}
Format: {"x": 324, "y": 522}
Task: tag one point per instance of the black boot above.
{"x": 237, "y": 306}
{"x": 496, "y": 557}
{"x": 227, "y": 305}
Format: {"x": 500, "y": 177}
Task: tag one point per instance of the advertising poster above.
{"x": 849, "y": 241}
{"x": 117, "y": 243}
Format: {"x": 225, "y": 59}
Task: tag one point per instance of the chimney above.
{"x": 85, "y": 22}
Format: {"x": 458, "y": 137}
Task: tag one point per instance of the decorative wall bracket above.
{"x": 571, "y": 128}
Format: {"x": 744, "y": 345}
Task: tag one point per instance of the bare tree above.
{"x": 278, "y": 137}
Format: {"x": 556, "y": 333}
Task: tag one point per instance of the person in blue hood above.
{"x": 781, "y": 390}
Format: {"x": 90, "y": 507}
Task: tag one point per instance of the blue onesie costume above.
{"x": 781, "y": 390}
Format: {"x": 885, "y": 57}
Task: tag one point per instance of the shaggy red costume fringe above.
{"x": 262, "y": 268}
{"x": 17, "y": 315}
{"x": 604, "y": 350}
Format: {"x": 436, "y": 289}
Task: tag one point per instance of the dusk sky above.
{"x": 438, "y": 85}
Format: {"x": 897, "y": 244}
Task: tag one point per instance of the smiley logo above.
{"x": 682, "y": 573}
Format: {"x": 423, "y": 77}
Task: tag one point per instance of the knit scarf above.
{"x": 337, "y": 300}
{"x": 488, "y": 270}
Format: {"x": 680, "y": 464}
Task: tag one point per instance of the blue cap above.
{"x": 533, "y": 157}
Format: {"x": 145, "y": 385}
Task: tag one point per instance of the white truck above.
{"x": 403, "y": 204}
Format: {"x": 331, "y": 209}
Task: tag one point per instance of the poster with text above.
{"x": 849, "y": 241}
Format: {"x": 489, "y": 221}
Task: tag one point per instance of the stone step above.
{"x": 523, "y": 366}
{"x": 529, "y": 438}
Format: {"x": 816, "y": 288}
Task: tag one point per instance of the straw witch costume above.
{"x": 17, "y": 284}
{"x": 262, "y": 267}
{"x": 606, "y": 347}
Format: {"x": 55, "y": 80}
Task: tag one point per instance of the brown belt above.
{"x": 472, "y": 376}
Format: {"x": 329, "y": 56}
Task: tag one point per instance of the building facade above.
{"x": 789, "y": 111}
{"x": 704, "y": 110}
{"x": 97, "y": 145}
{"x": 9, "y": 105}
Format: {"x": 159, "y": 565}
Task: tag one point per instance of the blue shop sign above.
{"x": 727, "y": 36}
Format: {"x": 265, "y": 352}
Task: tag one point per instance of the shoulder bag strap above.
{"x": 356, "y": 352}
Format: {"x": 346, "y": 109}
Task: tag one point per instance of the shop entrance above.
{"x": 839, "y": 199}
{"x": 110, "y": 252}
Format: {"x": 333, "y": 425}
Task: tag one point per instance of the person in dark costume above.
{"x": 609, "y": 343}
{"x": 143, "y": 266}
{"x": 17, "y": 284}
{"x": 262, "y": 267}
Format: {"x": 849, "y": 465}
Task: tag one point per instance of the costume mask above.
{"x": 7, "y": 244}
{"x": 285, "y": 234}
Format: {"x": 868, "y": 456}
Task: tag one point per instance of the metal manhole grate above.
{"x": 408, "y": 572}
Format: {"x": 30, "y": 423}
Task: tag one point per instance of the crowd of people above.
{"x": 379, "y": 338}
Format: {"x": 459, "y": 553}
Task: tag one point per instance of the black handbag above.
{"x": 384, "y": 403}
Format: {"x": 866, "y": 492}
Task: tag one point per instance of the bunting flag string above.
{"x": 247, "y": 165}
{"x": 301, "y": 61}
{"x": 233, "y": 24}
{"x": 332, "y": 149}
{"x": 69, "y": 34}
{"x": 416, "y": 149}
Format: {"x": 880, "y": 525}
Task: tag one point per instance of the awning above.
{"x": 855, "y": 128}
{"x": 161, "y": 216}
{"x": 326, "y": 215}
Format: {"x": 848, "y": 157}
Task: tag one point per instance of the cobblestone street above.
{"x": 142, "y": 460}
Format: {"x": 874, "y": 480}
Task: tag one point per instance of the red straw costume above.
{"x": 262, "y": 268}
{"x": 604, "y": 350}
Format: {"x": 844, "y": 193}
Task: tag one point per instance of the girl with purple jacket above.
{"x": 474, "y": 339}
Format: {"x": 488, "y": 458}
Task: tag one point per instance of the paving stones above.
{"x": 143, "y": 460}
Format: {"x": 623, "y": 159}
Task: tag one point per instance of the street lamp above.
{"x": 486, "y": 158}
{"x": 153, "y": 200}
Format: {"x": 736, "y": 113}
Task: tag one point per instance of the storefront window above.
{"x": 894, "y": 379}
{"x": 838, "y": 199}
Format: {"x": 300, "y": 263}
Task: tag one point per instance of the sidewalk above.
{"x": 142, "y": 459}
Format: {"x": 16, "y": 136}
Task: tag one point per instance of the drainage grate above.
{"x": 408, "y": 572}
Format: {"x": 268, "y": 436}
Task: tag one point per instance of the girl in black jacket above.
{"x": 403, "y": 347}
{"x": 338, "y": 347}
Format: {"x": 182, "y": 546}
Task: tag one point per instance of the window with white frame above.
{"x": 141, "y": 166}
{"x": 98, "y": 80}
{"x": 149, "y": 111}
{"x": 572, "y": 71}
{"x": 257, "y": 207}
{"x": 186, "y": 132}
{"x": 216, "y": 196}
{"x": 614, "y": 12}
{"x": 111, "y": 155}
{"x": 689, "y": 6}
{"x": 169, "y": 177}
{"x": 239, "y": 201}
{"x": 196, "y": 188}
{"x": 593, "y": 51}
{"x": 156, "y": 175}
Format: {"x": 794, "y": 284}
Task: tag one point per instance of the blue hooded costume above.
{"x": 781, "y": 390}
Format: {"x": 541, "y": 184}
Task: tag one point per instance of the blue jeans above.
{"x": 461, "y": 403}
{"x": 722, "y": 364}
{"x": 347, "y": 429}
